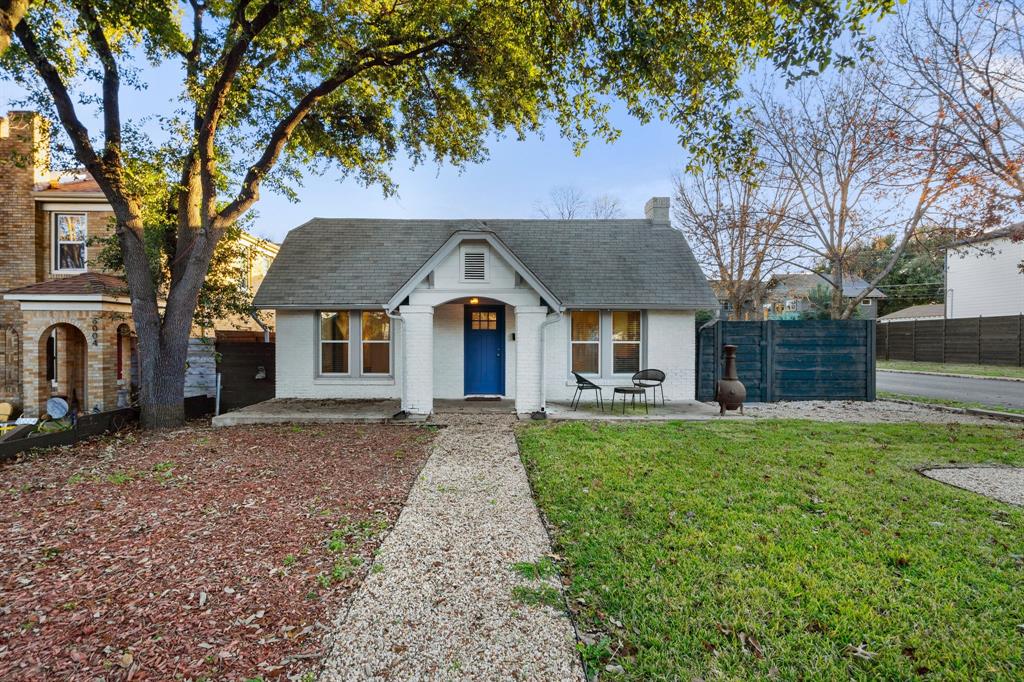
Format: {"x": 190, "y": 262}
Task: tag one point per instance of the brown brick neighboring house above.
{"x": 65, "y": 328}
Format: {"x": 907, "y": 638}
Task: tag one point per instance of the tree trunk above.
{"x": 836, "y": 308}
{"x": 11, "y": 12}
{"x": 163, "y": 403}
{"x": 163, "y": 339}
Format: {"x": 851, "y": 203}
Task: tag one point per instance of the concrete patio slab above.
{"x": 683, "y": 410}
{"x": 296, "y": 411}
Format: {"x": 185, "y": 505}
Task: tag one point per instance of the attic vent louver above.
{"x": 474, "y": 266}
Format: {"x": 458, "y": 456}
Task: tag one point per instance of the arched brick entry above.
{"x": 62, "y": 367}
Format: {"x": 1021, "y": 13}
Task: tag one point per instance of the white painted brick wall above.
{"x": 296, "y": 355}
{"x": 528, "y": 357}
{"x": 671, "y": 347}
{"x": 449, "y": 333}
{"x": 418, "y": 351}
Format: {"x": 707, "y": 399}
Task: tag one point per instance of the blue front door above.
{"x": 484, "y": 350}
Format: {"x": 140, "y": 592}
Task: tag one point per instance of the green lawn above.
{"x": 945, "y": 401}
{"x": 783, "y": 548}
{"x": 941, "y": 368}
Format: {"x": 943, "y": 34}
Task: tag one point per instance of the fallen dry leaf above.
{"x": 153, "y": 555}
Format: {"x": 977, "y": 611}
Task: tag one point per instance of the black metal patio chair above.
{"x": 652, "y": 379}
{"x": 585, "y": 384}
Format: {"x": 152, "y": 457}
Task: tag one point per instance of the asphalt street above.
{"x": 974, "y": 390}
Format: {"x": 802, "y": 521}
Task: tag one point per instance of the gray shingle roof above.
{"x": 917, "y": 312}
{"x": 801, "y": 284}
{"x": 362, "y": 262}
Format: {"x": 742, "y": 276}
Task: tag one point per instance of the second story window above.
{"x": 69, "y": 242}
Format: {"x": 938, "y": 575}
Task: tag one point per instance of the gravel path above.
{"x": 438, "y": 602}
{"x": 1005, "y": 484}
{"x": 860, "y": 411}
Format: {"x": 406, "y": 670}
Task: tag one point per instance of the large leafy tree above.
{"x": 11, "y": 12}
{"x": 268, "y": 88}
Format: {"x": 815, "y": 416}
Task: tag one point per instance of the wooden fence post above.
{"x": 718, "y": 354}
{"x": 1020, "y": 340}
{"x": 871, "y": 366}
{"x": 979, "y": 339}
{"x": 768, "y": 361}
{"x": 913, "y": 340}
{"x": 943, "y": 337}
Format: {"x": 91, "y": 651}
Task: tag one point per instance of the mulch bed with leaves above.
{"x": 194, "y": 553}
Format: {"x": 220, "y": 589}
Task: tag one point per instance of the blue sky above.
{"x": 639, "y": 165}
{"x": 517, "y": 176}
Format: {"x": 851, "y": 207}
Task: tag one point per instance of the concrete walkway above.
{"x": 438, "y": 602}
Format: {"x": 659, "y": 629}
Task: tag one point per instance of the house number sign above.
{"x": 95, "y": 331}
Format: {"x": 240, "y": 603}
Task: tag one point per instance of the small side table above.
{"x": 633, "y": 392}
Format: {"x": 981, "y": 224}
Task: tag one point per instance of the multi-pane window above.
{"x": 69, "y": 241}
{"x": 586, "y": 341}
{"x": 483, "y": 319}
{"x": 334, "y": 342}
{"x": 625, "y": 341}
{"x": 376, "y": 337}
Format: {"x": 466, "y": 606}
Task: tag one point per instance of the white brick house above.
{"x": 448, "y": 309}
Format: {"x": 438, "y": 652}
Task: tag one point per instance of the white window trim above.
{"x": 320, "y": 344}
{"x": 573, "y": 342}
{"x": 606, "y": 356}
{"x": 469, "y": 248}
{"x": 639, "y": 343}
{"x": 391, "y": 357}
{"x": 57, "y": 242}
{"x": 355, "y": 342}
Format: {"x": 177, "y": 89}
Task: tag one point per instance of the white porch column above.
{"x": 529, "y": 358}
{"x": 418, "y": 358}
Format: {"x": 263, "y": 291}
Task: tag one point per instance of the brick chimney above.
{"x": 656, "y": 210}
{"x": 24, "y": 163}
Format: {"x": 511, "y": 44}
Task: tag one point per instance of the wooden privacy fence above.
{"x": 791, "y": 359}
{"x": 241, "y": 357}
{"x": 972, "y": 340}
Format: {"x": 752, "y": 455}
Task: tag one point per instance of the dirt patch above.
{"x": 193, "y": 553}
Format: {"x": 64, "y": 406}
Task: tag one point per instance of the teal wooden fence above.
{"x": 791, "y": 359}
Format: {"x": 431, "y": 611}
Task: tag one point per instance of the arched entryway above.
{"x": 63, "y": 365}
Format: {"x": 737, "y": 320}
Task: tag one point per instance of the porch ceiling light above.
{"x": 474, "y": 300}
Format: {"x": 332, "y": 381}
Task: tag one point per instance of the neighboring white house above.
{"x": 983, "y": 277}
{"x": 445, "y": 309}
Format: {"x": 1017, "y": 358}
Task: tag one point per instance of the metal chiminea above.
{"x": 731, "y": 392}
